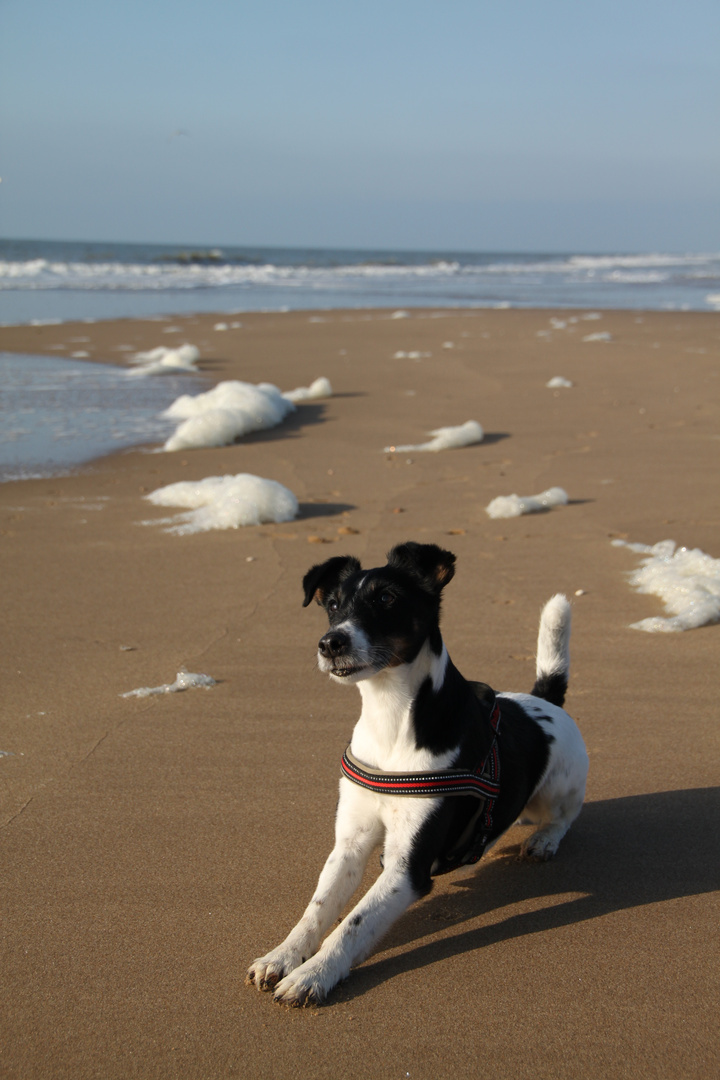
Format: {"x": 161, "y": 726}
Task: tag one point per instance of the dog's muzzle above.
{"x": 334, "y": 644}
{"x": 337, "y": 655}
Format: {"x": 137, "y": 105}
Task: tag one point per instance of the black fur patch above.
{"x": 430, "y": 565}
{"x": 320, "y": 580}
{"x": 524, "y": 750}
{"x": 442, "y": 717}
{"x": 552, "y": 688}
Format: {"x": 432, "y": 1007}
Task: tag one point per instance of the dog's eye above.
{"x": 332, "y": 606}
{"x": 386, "y": 599}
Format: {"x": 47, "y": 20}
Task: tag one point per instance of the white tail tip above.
{"x": 553, "y": 650}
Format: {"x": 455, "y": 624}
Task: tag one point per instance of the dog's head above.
{"x": 379, "y": 618}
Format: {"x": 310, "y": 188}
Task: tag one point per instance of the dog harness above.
{"x": 483, "y": 782}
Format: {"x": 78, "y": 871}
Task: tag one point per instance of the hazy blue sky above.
{"x": 515, "y": 125}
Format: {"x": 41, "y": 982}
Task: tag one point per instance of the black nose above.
{"x": 334, "y": 643}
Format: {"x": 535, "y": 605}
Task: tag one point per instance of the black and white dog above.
{"x": 438, "y": 767}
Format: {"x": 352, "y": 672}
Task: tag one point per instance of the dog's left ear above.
{"x": 430, "y": 564}
{"x": 320, "y": 580}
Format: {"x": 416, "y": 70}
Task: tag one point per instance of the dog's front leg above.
{"x": 356, "y": 936}
{"x": 351, "y": 941}
{"x": 357, "y": 834}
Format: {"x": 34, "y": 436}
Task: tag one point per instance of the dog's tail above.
{"x": 553, "y": 651}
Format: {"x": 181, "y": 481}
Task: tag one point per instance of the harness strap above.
{"x": 483, "y": 782}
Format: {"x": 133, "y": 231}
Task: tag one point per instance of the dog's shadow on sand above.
{"x": 619, "y": 854}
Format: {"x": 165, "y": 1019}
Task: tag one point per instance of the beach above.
{"x": 154, "y": 846}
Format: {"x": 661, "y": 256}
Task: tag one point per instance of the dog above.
{"x": 438, "y": 767}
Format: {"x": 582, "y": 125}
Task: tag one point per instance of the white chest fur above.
{"x": 384, "y": 736}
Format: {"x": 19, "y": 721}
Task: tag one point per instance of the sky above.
{"x": 446, "y": 125}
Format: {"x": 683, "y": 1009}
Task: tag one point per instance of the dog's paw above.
{"x": 266, "y": 972}
{"x": 301, "y": 988}
{"x": 539, "y": 847}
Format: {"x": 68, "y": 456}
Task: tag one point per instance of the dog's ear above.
{"x": 320, "y": 580}
{"x": 432, "y": 567}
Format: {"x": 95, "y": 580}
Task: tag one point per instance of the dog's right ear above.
{"x": 320, "y": 580}
{"x": 432, "y": 566}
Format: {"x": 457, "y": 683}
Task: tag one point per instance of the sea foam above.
{"x": 184, "y": 680}
{"x": 507, "y": 506}
{"x": 223, "y": 414}
{"x": 686, "y": 580}
{"x": 165, "y": 361}
{"x": 321, "y": 388}
{"x": 602, "y": 335}
{"x": 233, "y": 409}
{"x": 445, "y": 438}
{"x": 224, "y": 502}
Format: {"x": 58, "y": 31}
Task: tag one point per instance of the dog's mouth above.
{"x": 346, "y": 672}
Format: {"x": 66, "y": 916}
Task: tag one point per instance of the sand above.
{"x": 152, "y": 848}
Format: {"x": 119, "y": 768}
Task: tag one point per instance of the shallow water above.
{"x": 57, "y": 414}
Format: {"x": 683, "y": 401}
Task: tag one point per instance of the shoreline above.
{"x": 95, "y": 342}
{"x": 102, "y": 336}
{"x": 156, "y": 846}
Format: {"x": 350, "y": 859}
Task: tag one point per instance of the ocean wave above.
{"x": 201, "y": 274}
{"x": 606, "y": 262}
{"x": 605, "y": 266}
{"x": 44, "y": 274}
{"x": 41, "y": 280}
{"x": 637, "y": 277}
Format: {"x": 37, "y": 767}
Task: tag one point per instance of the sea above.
{"x": 57, "y": 414}
{"x": 59, "y": 280}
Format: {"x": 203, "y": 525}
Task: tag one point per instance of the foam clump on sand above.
{"x": 445, "y": 438}
{"x": 184, "y": 680}
{"x": 602, "y": 335}
{"x": 507, "y": 506}
{"x": 221, "y": 415}
{"x": 557, "y": 382}
{"x": 686, "y": 580}
{"x": 233, "y": 409}
{"x": 165, "y": 361}
{"x": 224, "y": 502}
{"x": 321, "y": 388}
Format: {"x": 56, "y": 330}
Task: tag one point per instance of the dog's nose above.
{"x": 334, "y": 643}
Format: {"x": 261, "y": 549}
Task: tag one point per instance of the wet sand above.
{"x": 153, "y": 847}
